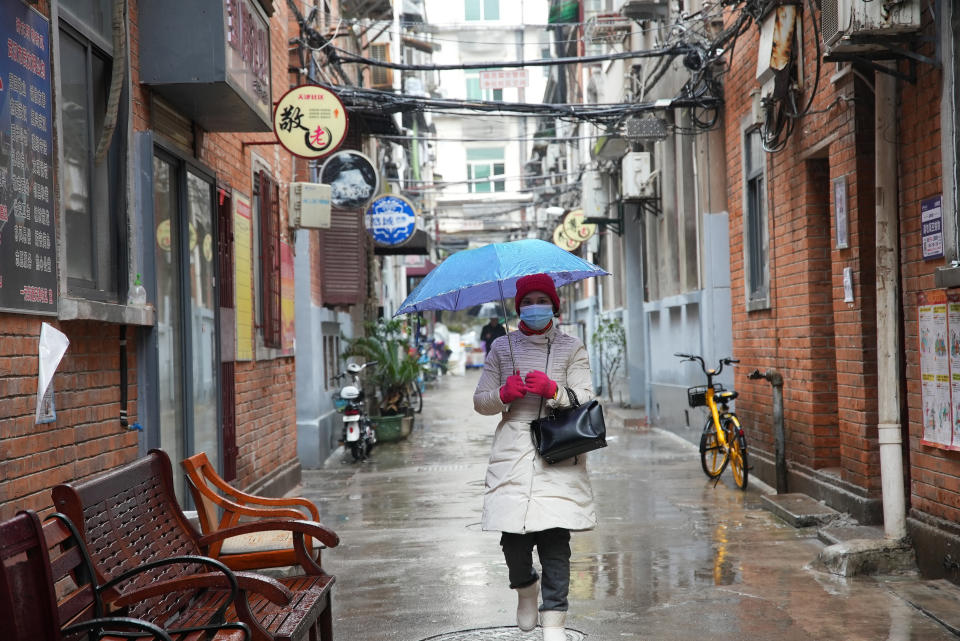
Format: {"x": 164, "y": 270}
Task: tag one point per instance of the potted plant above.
{"x": 393, "y": 375}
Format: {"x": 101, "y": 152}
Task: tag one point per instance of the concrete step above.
{"x": 799, "y": 510}
{"x": 839, "y": 532}
{"x": 937, "y": 599}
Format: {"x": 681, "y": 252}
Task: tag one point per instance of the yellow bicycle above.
{"x": 722, "y": 441}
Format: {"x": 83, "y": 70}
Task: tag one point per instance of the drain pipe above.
{"x": 779, "y": 438}
{"x": 889, "y": 434}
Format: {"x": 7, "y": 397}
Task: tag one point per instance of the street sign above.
{"x": 391, "y": 219}
{"x": 310, "y": 121}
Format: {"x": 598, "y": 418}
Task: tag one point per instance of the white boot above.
{"x": 552, "y": 622}
{"x": 527, "y": 606}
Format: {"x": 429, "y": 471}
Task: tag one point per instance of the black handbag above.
{"x": 570, "y": 431}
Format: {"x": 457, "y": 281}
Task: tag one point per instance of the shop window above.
{"x": 91, "y": 190}
{"x": 755, "y": 235}
{"x": 483, "y": 166}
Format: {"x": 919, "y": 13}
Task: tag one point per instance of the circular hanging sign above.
{"x": 575, "y": 228}
{"x": 310, "y": 121}
{"x": 391, "y": 219}
{"x": 561, "y": 240}
{"x": 352, "y": 178}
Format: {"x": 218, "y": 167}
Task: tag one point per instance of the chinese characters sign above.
{"x": 310, "y": 121}
{"x": 504, "y": 78}
{"x": 243, "y": 276}
{"x": 931, "y": 217}
{"x": 391, "y": 220}
{"x": 247, "y": 36}
{"x": 939, "y": 338}
{"x": 28, "y": 255}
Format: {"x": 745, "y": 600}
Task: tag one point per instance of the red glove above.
{"x": 540, "y": 384}
{"x": 512, "y": 389}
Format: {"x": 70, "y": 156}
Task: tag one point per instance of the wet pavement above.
{"x": 673, "y": 557}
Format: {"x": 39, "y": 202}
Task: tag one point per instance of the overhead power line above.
{"x": 604, "y": 113}
{"x": 673, "y": 50}
{"x": 547, "y": 139}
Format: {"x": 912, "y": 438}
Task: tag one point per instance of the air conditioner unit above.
{"x": 637, "y": 178}
{"x": 845, "y": 23}
{"x": 644, "y": 9}
{"x": 310, "y": 205}
{"x": 593, "y": 200}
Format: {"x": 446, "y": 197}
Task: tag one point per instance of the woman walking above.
{"x": 531, "y": 502}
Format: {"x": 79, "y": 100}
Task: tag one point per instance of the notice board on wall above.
{"x": 28, "y": 253}
{"x": 939, "y": 341}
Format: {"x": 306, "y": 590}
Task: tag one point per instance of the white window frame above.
{"x": 757, "y": 294}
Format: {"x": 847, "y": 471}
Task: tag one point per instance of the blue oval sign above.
{"x": 391, "y": 219}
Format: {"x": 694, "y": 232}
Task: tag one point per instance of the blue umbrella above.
{"x": 488, "y": 273}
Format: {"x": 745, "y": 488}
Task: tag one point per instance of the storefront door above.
{"x": 187, "y": 336}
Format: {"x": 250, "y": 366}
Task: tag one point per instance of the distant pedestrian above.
{"x": 491, "y": 332}
{"x": 531, "y": 502}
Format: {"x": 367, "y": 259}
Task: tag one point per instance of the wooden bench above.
{"x": 46, "y": 593}
{"x": 129, "y": 517}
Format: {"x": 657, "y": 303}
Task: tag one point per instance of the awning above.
{"x": 370, "y": 122}
{"x": 418, "y": 244}
{"x": 422, "y": 270}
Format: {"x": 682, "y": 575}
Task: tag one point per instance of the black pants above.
{"x": 553, "y": 547}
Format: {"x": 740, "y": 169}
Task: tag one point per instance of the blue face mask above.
{"x": 536, "y": 317}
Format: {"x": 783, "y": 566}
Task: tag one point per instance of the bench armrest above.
{"x": 246, "y": 581}
{"x": 224, "y": 578}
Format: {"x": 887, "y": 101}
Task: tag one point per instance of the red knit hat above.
{"x": 537, "y": 283}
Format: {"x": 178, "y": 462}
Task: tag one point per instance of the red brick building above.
{"x": 190, "y": 192}
{"x": 804, "y": 250}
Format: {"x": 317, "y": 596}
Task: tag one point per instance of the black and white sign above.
{"x": 353, "y": 179}
{"x": 931, "y": 218}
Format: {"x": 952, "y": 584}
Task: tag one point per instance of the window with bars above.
{"x": 268, "y": 213}
{"x": 331, "y": 359}
{"x": 381, "y": 77}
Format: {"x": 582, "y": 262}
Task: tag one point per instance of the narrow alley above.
{"x": 673, "y": 558}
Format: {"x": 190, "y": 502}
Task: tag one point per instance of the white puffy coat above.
{"x": 523, "y": 492}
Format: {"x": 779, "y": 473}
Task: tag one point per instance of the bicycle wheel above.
{"x": 739, "y": 463}
{"x": 713, "y": 458}
{"x": 416, "y": 397}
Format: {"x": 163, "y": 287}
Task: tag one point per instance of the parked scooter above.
{"x": 358, "y": 432}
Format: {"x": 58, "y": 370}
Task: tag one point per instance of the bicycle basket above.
{"x": 697, "y": 396}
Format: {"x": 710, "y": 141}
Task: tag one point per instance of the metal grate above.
{"x": 649, "y": 128}
{"x": 510, "y": 633}
{"x": 830, "y": 20}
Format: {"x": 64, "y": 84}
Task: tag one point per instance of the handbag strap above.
{"x": 546, "y": 367}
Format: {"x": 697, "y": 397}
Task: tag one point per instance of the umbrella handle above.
{"x": 507, "y": 326}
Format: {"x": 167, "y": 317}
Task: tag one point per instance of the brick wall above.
{"x": 823, "y": 346}
{"x": 934, "y": 473}
{"x": 87, "y": 436}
